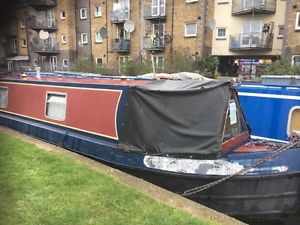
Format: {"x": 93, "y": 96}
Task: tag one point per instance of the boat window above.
{"x": 3, "y": 97}
{"x": 294, "y": 121}
{"x": 234, "y": 124}
{"x": 56, "y": 106}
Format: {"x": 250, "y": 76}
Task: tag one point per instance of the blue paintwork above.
{"x": 268, "y": 117}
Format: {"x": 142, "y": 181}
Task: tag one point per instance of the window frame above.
{"x": 24, "y": 43}
{"x": 22, "y": 24}
{"x": 97, "y": 41}
{"x": 63, "y": 63}
{"x": 185, "y": 29}
{"x": 297, "y": 21}
{"x": 35, "y": 62}
{"x": 293, "y": 63}
{"x": 6, "y": 102}
{"x": 62, "y": 39}
{"x": 290, "y": 119}
{"x": 221, "y": 37}
{"x": 280, "y": 36}
{"x": 99, "y": 11}
{"x": 96, "y": 61}
{"x": 63, "y": 15}
{"x": 191, "y": 1}
{"x": 81, "y": 10}
{"x": 81, "y": 38}
{"x": 46, "y": 102}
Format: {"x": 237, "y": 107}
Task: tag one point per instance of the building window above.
{"x": 23, "y": 43}
{"x": 98, "y": 11}
{"x": 296, "y": 60}
{"x": 3, "y": 97}
{"x": 83, "y": 13}
{"x": 221, "y": 33}
{"x": 98, "y": 38}
{"x": 65, "y": 63}
{"x": 64, "y": 39}
{"x": 22, "y": 23}
{"x": 223, "y": 1}
{"x": 280, "y": 31}
{"x": 56, "y": 106}
{"x": 98, "y": 60}
{"x": 63, "y": 15}
{"x": 158, "y": 62}
{"x": 84, "y": 38}
{"x": 190, "y": 30}
{"x": 297, "y": 25}
{"x": 294, "y": 121}
{"x": 35, "y": 62}
{"x": 189, "y": 1}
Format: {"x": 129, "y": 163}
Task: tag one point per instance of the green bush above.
{"x": 210, "y": 65}
{"x": 279, "y": 67}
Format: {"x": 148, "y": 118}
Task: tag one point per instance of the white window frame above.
{"x": 22, "y": 23}
{"x": 279, "y": 28}
{"x": 24, "y": 43}
{"x": 97, "y": 40}
{"x": 64, "y": 39}
{"x": 98, "y": 13}
{"x": 223, "y": 1}
{"x": 83, "y": 13}
{"x": 63, "y": 16}
{"x": 185, "y": 30}
{"x": 297, "y": 21}
{"x": 221, "y": 37}
{"x": 65, "y": 106}
{"x": 96, "y": 60}
{"x": 191, "y": 1}
{"x": 122, "y": 60}
{"x": 293, "y": 63}
{"x": 35, "y": 62}
{"x": 5, "y": 96}
{"x": 290, "y": 119}
{"x": 82, "y": 38}
{"x": 65, "y": 63}
{"x": 156, "y": 62}
{"x": 160, "y": 7}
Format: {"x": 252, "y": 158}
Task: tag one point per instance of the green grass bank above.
{"x": 39, "y": 187}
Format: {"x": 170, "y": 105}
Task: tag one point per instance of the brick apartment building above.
{"x": 52, "y": 34}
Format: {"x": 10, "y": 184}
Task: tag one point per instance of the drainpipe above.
{"x": 106, "y": 23}
{"x": 172, "y": 25}
{"x": 202, "y": 29}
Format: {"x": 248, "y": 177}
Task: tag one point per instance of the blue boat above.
{"x": 272, "y": 108}
{"x": 189, "y": 137}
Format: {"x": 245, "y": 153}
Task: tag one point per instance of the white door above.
{"x": 53, "y": 63}
{"x": 251, "y": 33}
{"x": 51, "y": 18}
{"x": 158, "y": 8}
{"x": 158, "y": 32}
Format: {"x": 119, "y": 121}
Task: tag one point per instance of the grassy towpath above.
{"x": 40, "y": 187}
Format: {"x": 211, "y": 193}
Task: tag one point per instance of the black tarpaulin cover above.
{"x": 176, "y": 117}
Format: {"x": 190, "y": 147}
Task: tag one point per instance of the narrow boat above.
{"x": 188, "y": 136}
{"x": 272, "y": 107}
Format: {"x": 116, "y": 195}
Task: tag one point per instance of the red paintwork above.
{"x": 252, "y": 148}
{"x": 234, "y": 141}
{"x": 92, "y": 110}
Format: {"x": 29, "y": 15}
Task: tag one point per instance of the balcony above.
{"x": 240, "y": 7}
{"x": 120, "y": 16}
{"x": 45, "y": 49}
{"x": 42, "y": 3}
{"x": 251, "y": 41}
{"x": 38, "y": 24}
{"x": 121, "y": 45}
{"x": 154, "y": 12}
{"x": 12, "y": 50}
{"x": 154, "y": 44}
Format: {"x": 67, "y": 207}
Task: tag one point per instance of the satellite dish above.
{"x": 129, "y": 26}
{"x": 212, "y": 24}
{"x": 103, "y": 32}
{"x": 43, "y": 34}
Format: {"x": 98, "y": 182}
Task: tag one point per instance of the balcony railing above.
{"x": 154, "y": 44}
{"x": 121, "y": 45}
{"x": 120, "y": 16}
{"x": 45, "y": 49}
{"x": 251, "y": 41}
{"x": 151, "y": 12}
{"x": 42, "y": 24}
{"x": 253, "y": 6}
{"x": 39, "y": 3}
{"x": 12, "y": 50}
